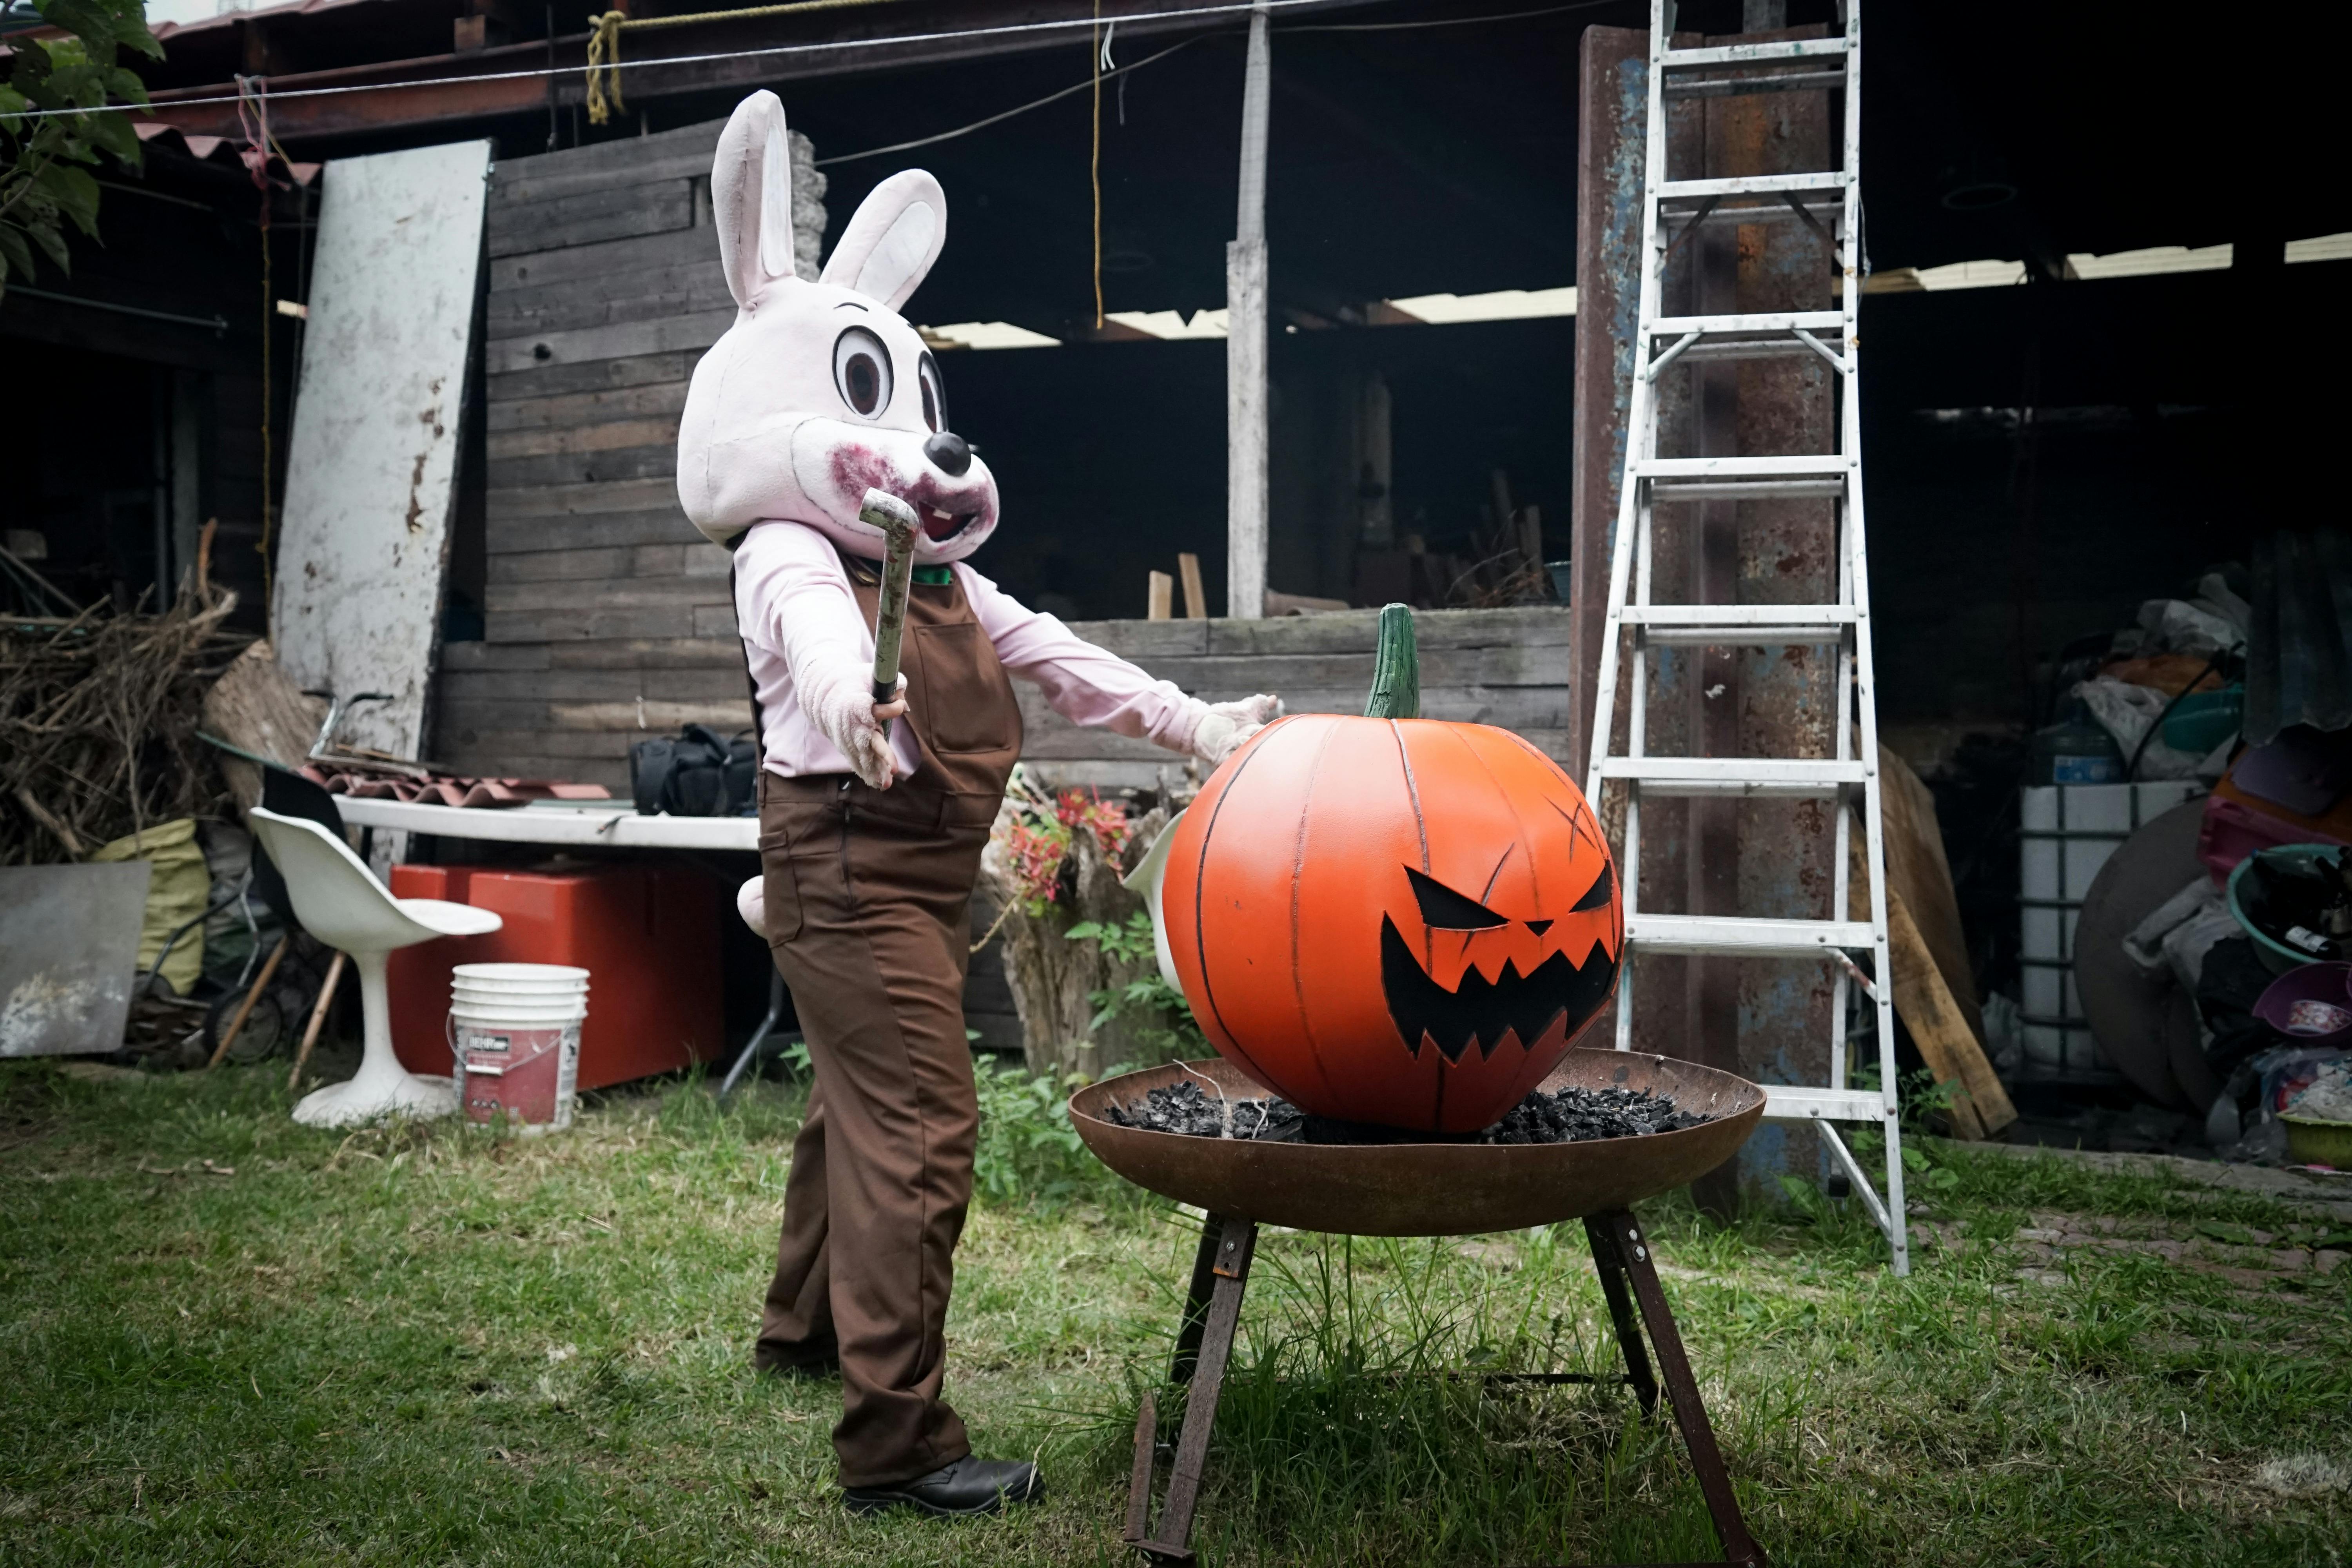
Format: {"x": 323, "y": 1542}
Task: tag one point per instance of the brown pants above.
{"x": 868, "y": 896}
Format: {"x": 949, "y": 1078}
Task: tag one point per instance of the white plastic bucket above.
{"x": 514, "y": 1030}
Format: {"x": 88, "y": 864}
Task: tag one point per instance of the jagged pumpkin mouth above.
{"x": 1483, "y": 1011}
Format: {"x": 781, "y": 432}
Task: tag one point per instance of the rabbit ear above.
{"x": 890, "y": 244}
{"x": 752, "y": 197}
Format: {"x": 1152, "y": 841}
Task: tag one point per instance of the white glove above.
{"x": 1223, "y": 728}
{"x": 751, "y": 903}
{"x": 847, "y": 715}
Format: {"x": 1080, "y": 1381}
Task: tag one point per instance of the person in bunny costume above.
{"x": 873, "y": 816}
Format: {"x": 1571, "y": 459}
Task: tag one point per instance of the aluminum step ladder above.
{"x": 1829, "y": 202}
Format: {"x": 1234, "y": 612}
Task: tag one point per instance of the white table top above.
{"x": 613, "y": 824}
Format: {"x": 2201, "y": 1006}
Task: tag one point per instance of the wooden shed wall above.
{"x": 604, "y": 609}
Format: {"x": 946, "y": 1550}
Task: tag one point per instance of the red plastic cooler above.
{"x": 648, "y": 935}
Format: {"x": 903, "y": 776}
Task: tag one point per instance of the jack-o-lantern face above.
{"x": 1393, "y": 920}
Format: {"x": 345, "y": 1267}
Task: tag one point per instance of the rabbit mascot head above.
{"x": 821, "y": 390}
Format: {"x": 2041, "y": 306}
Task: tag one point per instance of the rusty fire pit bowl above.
{"x": 1426, "y": 1189}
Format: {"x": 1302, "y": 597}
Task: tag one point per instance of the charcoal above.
{"x": 1572, "y": 1115}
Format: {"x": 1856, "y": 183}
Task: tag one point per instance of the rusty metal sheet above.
{"x": 69, "y": 955}
{"x": 372, "y": 473}
{"x": 1426, "y": 1189}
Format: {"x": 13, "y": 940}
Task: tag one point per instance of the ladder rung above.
{"x": 1716, "y": 350}
{"x": 1725, "y": 617}
{"x": 1766, "y": 321}
{"x": 1756, "y": 938}
{"x": 1741, "y": 86}
{"x": 1722, "y": 55}
{"x": 1738, "y": 776}
{"x": 1784, "y": 1103}
{"x": 1778, "y": 465}
{"x": 1742, "y": 625}
{"x": 1751, "y": 185}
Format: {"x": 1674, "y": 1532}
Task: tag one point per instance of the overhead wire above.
{"x": 1187, "y": 13}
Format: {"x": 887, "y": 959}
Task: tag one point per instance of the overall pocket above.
{"x": 962, "y": 692}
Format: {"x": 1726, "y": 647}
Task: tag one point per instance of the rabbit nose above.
{"x": 949, "y": 453}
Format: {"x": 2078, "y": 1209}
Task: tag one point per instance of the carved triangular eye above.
{"x": 1596, "y": 896}
{"x": 1442, "y": 909}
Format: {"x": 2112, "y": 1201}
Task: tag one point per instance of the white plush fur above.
{"x": 767, "y": 433}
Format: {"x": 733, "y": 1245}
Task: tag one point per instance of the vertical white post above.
{"x": 1245, "y": 399}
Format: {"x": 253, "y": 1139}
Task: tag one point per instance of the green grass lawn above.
{"x": 227, "y": 1339}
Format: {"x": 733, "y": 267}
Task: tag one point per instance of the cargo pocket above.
{"x": 780, "y": 889}
{"x": 962, "y": 691}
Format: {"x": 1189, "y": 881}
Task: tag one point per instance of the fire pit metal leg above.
{"x": 1227, "y": 1245}
{"x": 1608, "y": 1262}
{"x": 1196, "y": 1301}
{"x": 1624, "y": 1238}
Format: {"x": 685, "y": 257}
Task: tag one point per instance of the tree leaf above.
{"x": 75, "y": 195}
{"x": 15, "y": 256}
{"x": 46, "y": 235}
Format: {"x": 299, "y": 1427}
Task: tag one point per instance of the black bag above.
{"x": 697, "y": 774}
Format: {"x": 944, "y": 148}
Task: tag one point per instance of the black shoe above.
{"x": 968, "y": 1486}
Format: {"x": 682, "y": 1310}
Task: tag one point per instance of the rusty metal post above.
{"x": 1196, "y": 1301}
{"x": 1236, "y": 1243}
{"x": 1608, "y": 1262}
{"x": 1625, "y": 1238}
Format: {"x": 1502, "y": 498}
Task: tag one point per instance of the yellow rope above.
{"x": 604, "y": 43}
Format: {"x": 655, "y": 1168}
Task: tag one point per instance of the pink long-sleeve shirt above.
{"x": 809, "y": 645}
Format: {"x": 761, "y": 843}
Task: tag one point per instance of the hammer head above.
{"x": 894, "y": 516}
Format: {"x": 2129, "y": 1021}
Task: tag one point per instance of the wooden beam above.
{"x": 1247, "y": 500}
{"x": 1159, "y": 600}
{"x": 1196, "y": 597}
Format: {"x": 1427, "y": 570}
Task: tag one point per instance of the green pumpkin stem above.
{"x": 1396, "y": 669}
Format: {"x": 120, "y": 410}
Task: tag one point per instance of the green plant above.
{"x": 64, "y": 84}
{"x": 1156, "y": 1012}
{"x": 1027, "y": 1148}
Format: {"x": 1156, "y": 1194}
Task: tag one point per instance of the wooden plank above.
{"x": 630, "y": 562}
{"x": 662, "y": 717}
{"x": 603, "y": 593}
{"x": 550, "y": 379}
{"x": 584, "y": 467}
{"x": 606, "y": 258}
{"x": 570, "y": 748}
{"x": 512, "y": 186}
{"x": 527, "y": 535}
{"x": 1142, "y": 640}
{"x": 668, "y": 653}
{"x": 616, "y": 436}
{"x": 516, "y": 227}
{"x": 1196, "y": 597}
{"x": 591, "y": 625}
{"x": 570, "y": 410}
{"x": 462, "y": 659}
{"x": 608, "y": 161}
{"x": 576, "y": 500}
{"x": 1159, "y": 597}
{"x": 607, "y": 302}
{"x": 625, "y": 341}
{"x": 1503, "y": 665}
{"x": 1936, "y": 1026}
{"x": 548, "y": 685}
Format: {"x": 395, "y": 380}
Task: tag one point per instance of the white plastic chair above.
{"x": 339, "y": 900}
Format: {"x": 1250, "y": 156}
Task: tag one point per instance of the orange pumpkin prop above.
{"x": 1390, "y": 919}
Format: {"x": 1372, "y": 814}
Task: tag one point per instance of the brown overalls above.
{"x": 868, "y": 901}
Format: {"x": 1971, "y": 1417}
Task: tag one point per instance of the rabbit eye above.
{"x": 935, "y": 392}
{"x": 861, "y": 371}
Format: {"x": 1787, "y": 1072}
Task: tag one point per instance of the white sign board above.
{"x": 371, "y": 475}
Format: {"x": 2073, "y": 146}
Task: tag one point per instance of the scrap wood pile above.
{"x": 98, "y": 724}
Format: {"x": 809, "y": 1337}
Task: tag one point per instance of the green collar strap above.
{"x": 930, "y": 576}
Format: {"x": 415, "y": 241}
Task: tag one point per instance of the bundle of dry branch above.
{"x": 98, "y": 722}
